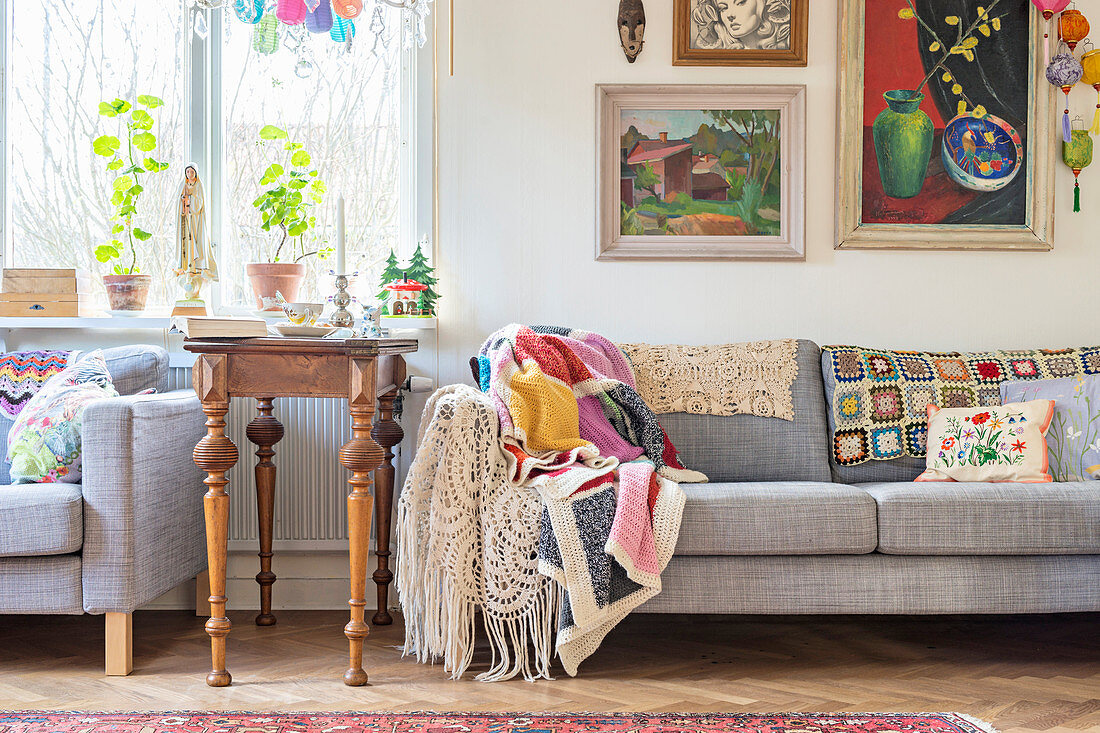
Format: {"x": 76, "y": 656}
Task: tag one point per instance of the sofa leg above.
{"x": 202, "y": 594}
{"x": 120, "y": 644}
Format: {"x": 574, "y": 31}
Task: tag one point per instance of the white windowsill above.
{"x": 149, "y": 322}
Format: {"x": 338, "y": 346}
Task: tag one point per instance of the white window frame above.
{"x": 416, "y": 113}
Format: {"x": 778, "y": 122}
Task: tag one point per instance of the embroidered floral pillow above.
{"x": 1006, "y": 443}
{"x": 44, "y": 444}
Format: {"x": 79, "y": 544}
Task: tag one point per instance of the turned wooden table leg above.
{"x": 387, "y": 433}
{"x": 265, "y": 431}
{"x": 215, "y": 454}
{"x": 360, "y": 455}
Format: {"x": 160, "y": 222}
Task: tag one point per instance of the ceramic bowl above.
{"x": 303, "y": 314}
{"x": 981, "y": 153}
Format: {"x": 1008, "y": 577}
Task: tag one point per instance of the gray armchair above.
{"x": 134, "y": 528}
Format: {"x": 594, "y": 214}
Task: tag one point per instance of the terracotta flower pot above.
{"x": 127, "y": 292}
{"x": 269, "y": 277}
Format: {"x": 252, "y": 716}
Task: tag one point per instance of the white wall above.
{"x": 516, "y": 180}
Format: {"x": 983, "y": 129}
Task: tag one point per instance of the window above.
{"x": 351, "y": 110}
{"x": 345, "y": 109}
{"x": 66, "y": 58}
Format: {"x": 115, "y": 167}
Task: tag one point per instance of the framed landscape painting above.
{"x": 740, "y": 32}
{"x": 692, "y": 172}
{"x": 945, "y": 126}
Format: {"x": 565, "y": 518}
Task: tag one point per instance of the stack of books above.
{"x": 203, "y": 327}
{"x": 46, "y": 293}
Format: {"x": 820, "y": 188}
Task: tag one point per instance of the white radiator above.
{"x": 311, "y": 488}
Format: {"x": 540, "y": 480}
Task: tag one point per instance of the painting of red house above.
{"x": 696, "y": 172}
{"x": 670, "y": 160}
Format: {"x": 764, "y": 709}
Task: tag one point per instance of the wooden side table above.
{"x": 361, "y": 370}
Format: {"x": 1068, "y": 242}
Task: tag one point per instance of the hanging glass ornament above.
{"x": 249, "y": 11}
{"x": 1072, "y": 27}
{"x": 291, "y": 12}
{"x": 342, "y": 30}
{"x": 319, "y": 19}
{"x": 1064, "y": 70}
{"x": 1077, "y": 154}
{"x": 265, "y": 39}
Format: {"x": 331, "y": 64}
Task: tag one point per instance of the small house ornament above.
{"x": 404, "y": 298}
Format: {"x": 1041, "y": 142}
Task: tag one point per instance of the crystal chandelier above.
{"x": 335, "y": 17}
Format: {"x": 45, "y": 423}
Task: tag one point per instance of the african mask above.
{"x": 631, "y": 28}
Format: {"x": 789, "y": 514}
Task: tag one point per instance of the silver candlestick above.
{"x": 341, "y": 317}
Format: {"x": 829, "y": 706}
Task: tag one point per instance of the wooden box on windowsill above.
{"x": 46, "y": 293}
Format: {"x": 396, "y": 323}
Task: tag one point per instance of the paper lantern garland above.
{"x": 291, "y": 12}
{"x": 249, "y": 11}
{"x": 319, "y": 19}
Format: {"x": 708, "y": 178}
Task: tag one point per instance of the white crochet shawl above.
{"x": 468, "y": 540}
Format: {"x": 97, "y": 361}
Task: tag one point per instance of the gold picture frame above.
{"x": 696, "y": 45}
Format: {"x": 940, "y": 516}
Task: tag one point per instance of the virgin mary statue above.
{"x": 196, "y": 256}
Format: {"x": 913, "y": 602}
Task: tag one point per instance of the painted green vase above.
{"x": 903, "y": 143}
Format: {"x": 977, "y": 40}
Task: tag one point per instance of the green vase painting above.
{"x": 903, "y": 143}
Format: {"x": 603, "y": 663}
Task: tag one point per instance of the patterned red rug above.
{"x": 50, "y": 722}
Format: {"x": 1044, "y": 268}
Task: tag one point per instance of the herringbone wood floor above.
{"x": 1022, "y": 673}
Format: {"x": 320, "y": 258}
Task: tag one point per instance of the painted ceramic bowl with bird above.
{"x": 981, "y": 153}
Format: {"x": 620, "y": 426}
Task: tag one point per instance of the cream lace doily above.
{"x": 753, "y": 378}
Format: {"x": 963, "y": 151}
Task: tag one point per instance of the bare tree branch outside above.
{"x": 344, "y": 107}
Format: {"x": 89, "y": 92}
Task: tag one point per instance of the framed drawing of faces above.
{"x": 740, "y": 32}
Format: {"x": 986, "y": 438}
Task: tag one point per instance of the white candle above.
{"x": 341, "y": 237}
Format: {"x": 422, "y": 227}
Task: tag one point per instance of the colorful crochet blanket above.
{"x": 879, "y": 404}
{"x": 22, "y": 374}
{"x": 575, "y": 430}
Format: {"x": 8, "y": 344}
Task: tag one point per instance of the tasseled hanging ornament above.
{"x": 319, "y": 19}
{"x": 1077, "y": 154}
{"x": 1090, "y": 64}
{"x": 1073, "y": 27}
{"x": 1048, "y": 8}
{"x": 249, "y": 11}
{"x": 265, "y": 38}
{"x": 291, "y": 12}
{"x": 1064, "y": 70}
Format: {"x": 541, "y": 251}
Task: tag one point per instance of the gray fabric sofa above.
{"x": 132, "y": 530}
{"x": 780, "y": 529}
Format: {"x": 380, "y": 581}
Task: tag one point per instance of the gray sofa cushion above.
{"x": 41, "y": 584}
{"x": 749, "y": 448}
{"x": 797, "y": 518}
{"x": 41, "y": 519}
{"x": 987, "y": 519}
{"x": 137, "y": 368}
{"x": 905, "y": 468}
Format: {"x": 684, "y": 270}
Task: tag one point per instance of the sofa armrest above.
{"x": 144, "y": 531}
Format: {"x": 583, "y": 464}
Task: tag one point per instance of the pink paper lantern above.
{"x": 1048, "y": 8}
{"x": 291, "y": 12}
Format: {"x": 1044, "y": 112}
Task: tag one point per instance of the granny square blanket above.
{"x": 22, "y": 374}
{"x": 880, "y": 402}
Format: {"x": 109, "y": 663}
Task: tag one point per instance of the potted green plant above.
{"x": 130, "y": 156}
{"x": 290, "y": 189}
